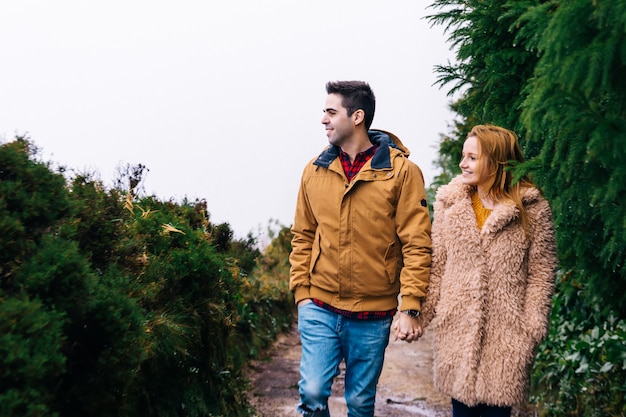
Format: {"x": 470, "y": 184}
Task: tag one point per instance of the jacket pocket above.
{"x": 393, "y": 261}
{"x": 316, "y": 250}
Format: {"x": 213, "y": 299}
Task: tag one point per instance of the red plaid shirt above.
{"x": 360, "y": 315}
{"x": 351, "y": 169}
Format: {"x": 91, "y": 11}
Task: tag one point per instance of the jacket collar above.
{"x": 380, "y": 160}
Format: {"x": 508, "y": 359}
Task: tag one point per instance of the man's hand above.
{"x": 406, "y": 328}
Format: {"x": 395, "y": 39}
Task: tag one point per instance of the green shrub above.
{"x": 581, "y": 367}
{"x": 116, "y": 305}
{"x": 32, "y": 199}
{"x": 31, "y": 358}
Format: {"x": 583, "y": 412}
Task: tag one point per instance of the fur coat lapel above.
{"x": 501, "y": 216}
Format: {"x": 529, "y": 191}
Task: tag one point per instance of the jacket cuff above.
{"x": 410, "y": 303}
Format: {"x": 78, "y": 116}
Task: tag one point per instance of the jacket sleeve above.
{"x": 303, "y": 231}
{"x": 413, "y": 229}
{"x": 542, "y": 264}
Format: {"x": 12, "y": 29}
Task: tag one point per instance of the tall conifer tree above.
{"x": 576, "y": 110}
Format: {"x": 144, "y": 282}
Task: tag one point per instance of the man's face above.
{"x": 339, "y": 126}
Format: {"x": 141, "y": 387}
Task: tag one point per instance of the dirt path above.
{"x": 405, "y": 386}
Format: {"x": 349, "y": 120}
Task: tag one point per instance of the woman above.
{"x": 492, "y": 278}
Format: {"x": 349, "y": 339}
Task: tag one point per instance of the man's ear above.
{"x": 358, "y": 117}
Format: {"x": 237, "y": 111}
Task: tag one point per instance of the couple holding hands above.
{"x": 483, "y": 272}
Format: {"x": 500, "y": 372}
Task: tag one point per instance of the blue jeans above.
{"x": 327, "y": 339}
{"x": 481, "y": 410}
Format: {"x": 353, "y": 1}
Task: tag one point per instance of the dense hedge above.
{"x": 553, "y": 71}
{"x": 115, "y": 305}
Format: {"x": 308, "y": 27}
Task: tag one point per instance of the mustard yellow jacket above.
{"x": 357, "y": 245}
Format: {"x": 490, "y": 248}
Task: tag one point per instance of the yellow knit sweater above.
{"x": 481, "y": 212}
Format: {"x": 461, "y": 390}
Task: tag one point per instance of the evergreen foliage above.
{"x": 120, "y": 305}
{"x": 31, "y": 339}
{"x": 553, "y": 72}
{"x": 490, "y": 83}
{"x": 31, "y": 200}
{"x": 576, "y": 109}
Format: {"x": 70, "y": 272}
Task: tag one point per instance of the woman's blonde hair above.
{"x": 498, "y": 147}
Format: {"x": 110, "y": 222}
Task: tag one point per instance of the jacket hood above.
{"x": 381, "y": 159}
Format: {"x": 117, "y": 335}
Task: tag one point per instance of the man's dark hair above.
{"x": 356, "y": 95}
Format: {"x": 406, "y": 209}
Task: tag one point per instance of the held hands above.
{"x": 407, "y": 328}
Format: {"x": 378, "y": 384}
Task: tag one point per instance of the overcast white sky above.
{"x": 221, "y": 100}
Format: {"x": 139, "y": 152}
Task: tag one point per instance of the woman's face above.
{"x": 471, "y": 170}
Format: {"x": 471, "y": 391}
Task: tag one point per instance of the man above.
{"x": 361, "y": 237}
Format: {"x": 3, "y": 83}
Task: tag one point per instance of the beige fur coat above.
{"x": 489, "y": 295}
